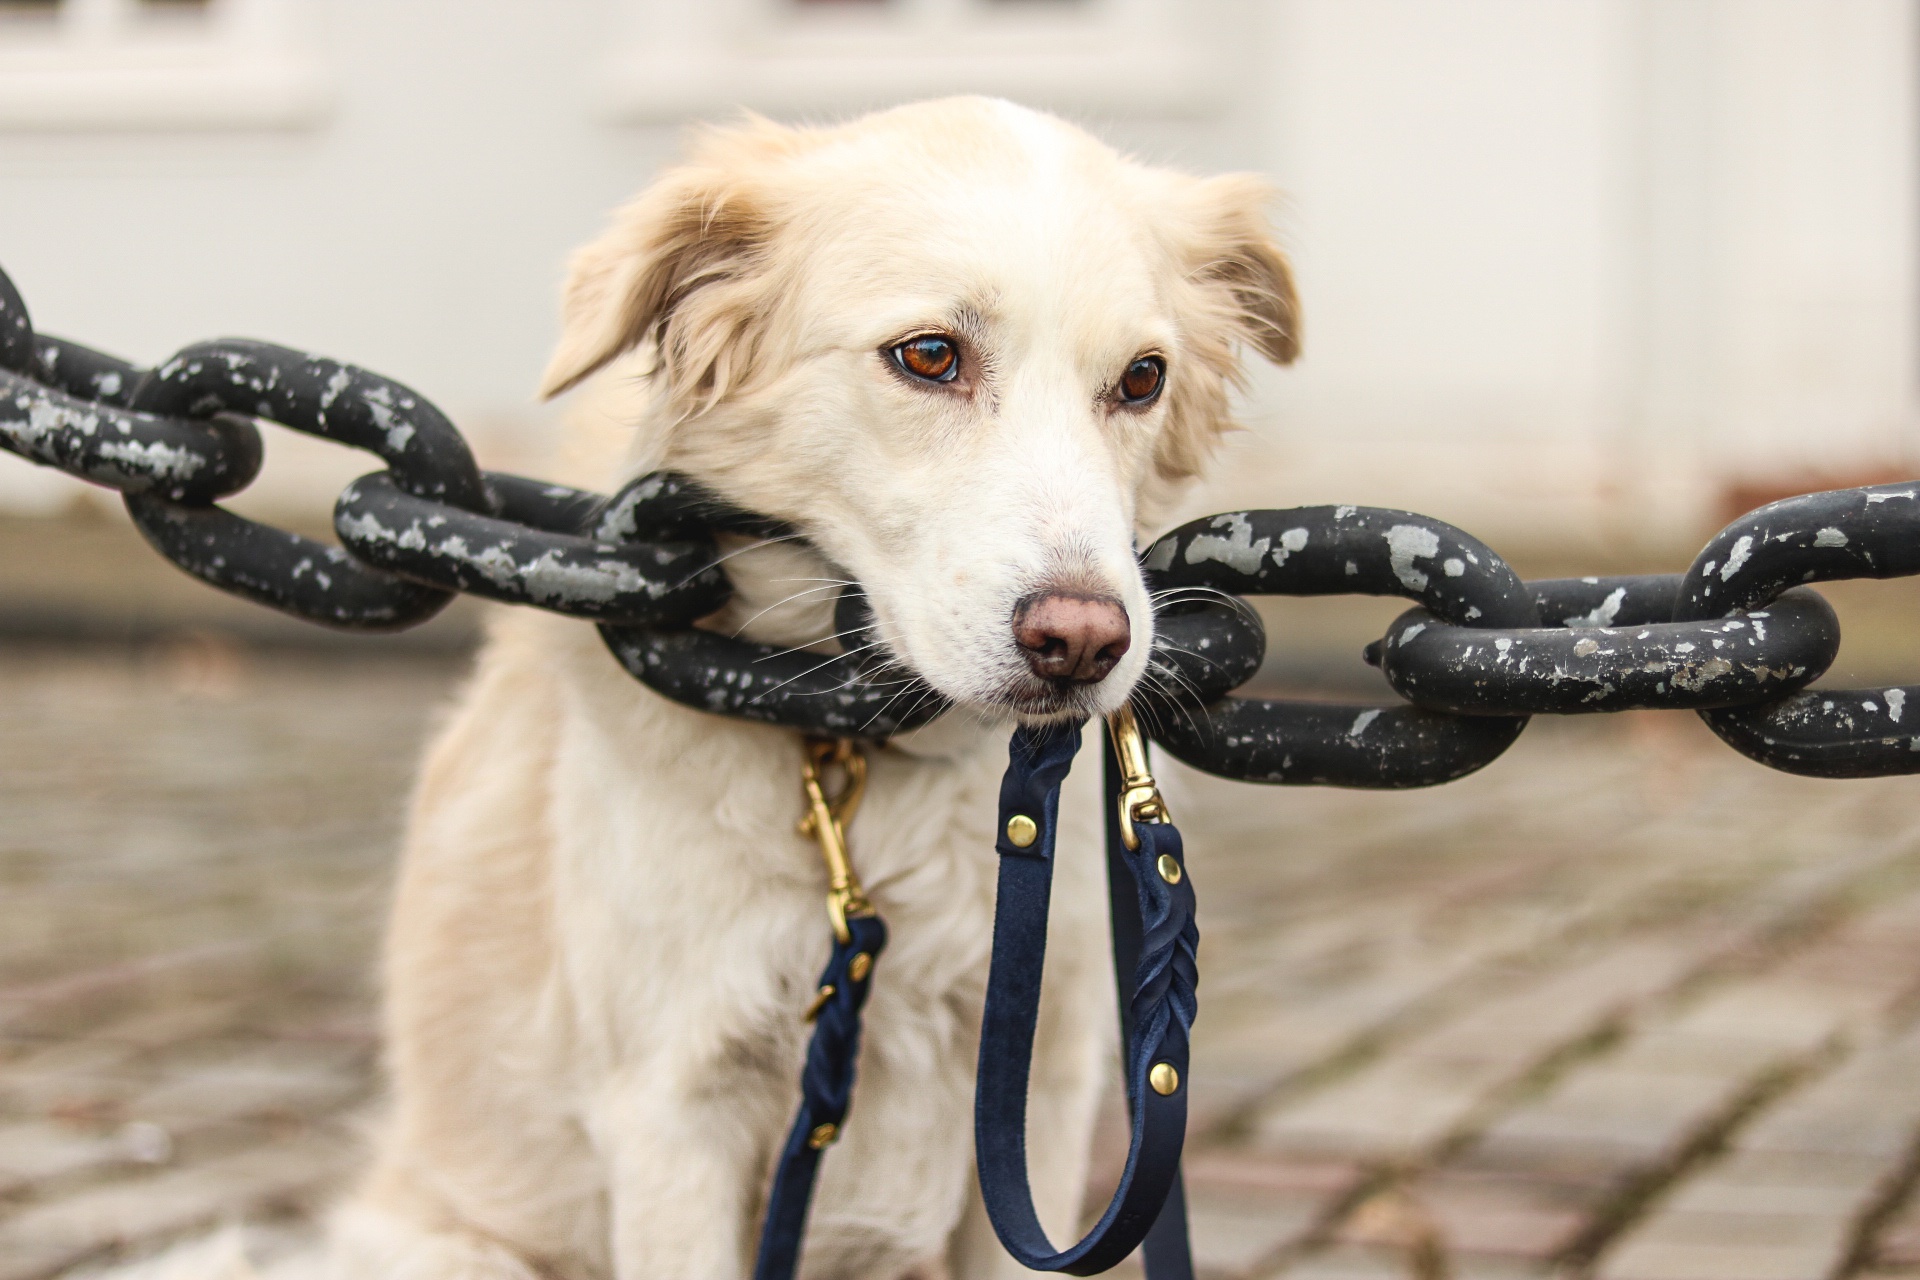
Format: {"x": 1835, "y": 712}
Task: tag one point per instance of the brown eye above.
{"x": 930, "y": 356}
{"x": 1141, "y": 382}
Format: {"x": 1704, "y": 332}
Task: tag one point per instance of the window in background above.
{"x": 119, "y": 64}
{"x": 828, "y": 56}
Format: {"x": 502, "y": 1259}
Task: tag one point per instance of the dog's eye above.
{"x": 1141, "y": 382}
{"x": 929, "y": 356}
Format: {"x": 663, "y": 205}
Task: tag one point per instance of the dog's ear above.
{"x": 679, "y": 267}
{"x": 1235, "y": 291}
{"x": 1232, "y": 255}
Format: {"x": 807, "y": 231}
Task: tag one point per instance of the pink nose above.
{"x": 1071, "y": 638}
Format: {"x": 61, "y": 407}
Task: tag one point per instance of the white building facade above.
{"x": 1571, "y": 271}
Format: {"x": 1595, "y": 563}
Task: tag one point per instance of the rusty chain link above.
{"x": 1737, "y": 638}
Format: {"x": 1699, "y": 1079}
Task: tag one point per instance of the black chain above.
{"x": 1736, "y": 638}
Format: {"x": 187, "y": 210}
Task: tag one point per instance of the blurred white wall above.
{"x": 1569, "y": 269}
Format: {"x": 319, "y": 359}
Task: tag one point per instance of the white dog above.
{"x": 970, "y": 352}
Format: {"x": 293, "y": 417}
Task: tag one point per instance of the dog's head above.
{"x": 965, "y": 347}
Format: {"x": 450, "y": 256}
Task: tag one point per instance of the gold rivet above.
{"x": 1164, "y": 1078}
{"x": 824, "y": 1134}
{"x": 820, "y": 999}
{"x": 860, "y": 966}
{"x": 1170, "y": 872}
{"x": 1022, "y": 830}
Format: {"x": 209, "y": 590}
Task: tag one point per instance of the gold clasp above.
{"x": 826, "y": 821}
{"x": 1139, "y": 795}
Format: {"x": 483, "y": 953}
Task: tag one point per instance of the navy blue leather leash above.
{"x": 826, "y": 1082}
{"x": 1160, "y": 1003}
{"x": 1151, "y": 901}
{"x": 826, "y": 1089}
{"x": 1166, "y": 1251}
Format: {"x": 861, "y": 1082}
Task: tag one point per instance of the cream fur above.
{"x": 607, "y": 927}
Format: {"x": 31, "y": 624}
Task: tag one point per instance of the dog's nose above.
{"x": 1071, "y": 638}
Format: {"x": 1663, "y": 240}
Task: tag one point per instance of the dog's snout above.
{"x": 1075, "y": 639}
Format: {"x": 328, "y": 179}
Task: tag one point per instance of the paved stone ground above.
{"x": 1623, "y": 1006}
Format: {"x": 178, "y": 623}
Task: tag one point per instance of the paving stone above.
{"x": 1643, "y": 1102}
{"x": 1503, "y": 1216}
{"x": 1766, "y": 1182}
{"x": 1796, "y": 1182}
{"x": 1661, "y": 1259}
{"x": 44, "y": 1238}
{"x": 1601, "y": 1122}
{"x": 1896, "y": 1250}
{"x": 1352, "y": 1262}
{"x": 1230, "y": 1235}
{"x": 40, "y": 1151}
{"x": 1245, "y": 1207}
{"x": 269, "y": 1081}
{"x": 1482, "y": 1267}
{"x": 1431, "y": 1084}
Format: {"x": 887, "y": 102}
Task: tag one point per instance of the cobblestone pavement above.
{"x": 1622, "y": 1006}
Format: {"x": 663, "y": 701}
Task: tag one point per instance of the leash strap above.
{"x": 1166, "y": 1251}
{"x": 859, "y": 935}
{"x": 826, "y": 1088}
{"x": 1159, "y": 1012}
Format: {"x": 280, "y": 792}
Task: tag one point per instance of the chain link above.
{"x": 1737, "y": 638}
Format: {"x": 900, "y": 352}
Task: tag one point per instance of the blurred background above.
{"x": 1588, "y": 271}
{"x": 1586, "y": 277}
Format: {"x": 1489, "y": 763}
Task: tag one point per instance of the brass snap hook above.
{"x": 828, "y": 813}
{"x": 1140, "y": 799}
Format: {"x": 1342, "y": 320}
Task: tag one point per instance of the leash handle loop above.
{"x": 1160, "y": 1009}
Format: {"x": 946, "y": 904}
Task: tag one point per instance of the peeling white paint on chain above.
{"x": 1692, "y": 678}
{"x": 379, "y": 402}
{"x": 44, "y": 417}
{"x": 335, "y": 385}
{"x": 1602, "y": 614}
{"x": 552, "y": 578}
{"x": 157, "y": 458}
{"x": 1829, "y": 538}
{"x": 1291, "y": 541}
{"x": 1237, "y": 550}
{"x": 1742, "y": 550}
{"x": 1405, "y": 544}
{"x": 1361, "y": 721}
{"x": 365, "y": 528}
{"x": 622, "y": 522}
{"x": 1896, "y": 703}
